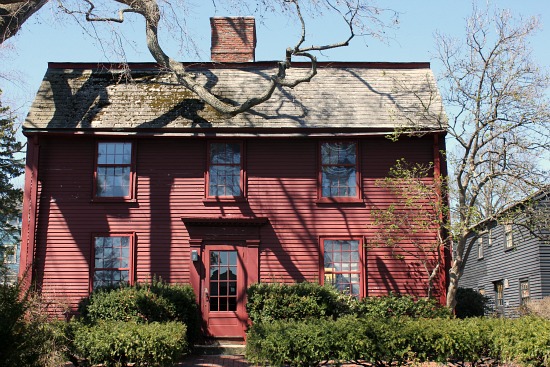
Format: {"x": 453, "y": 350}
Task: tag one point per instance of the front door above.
{"x": 224, "y": 287}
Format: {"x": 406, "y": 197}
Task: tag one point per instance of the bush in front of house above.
{"x": 151, "y": 324}
{"x": 525, "y": 340}
{"x": 394, "y": 305}
{"x": 290, "y": 342}
{"x": 144, "y": 303}
{"x": 297, "y": 301}
{"x": 313, "y": 342}
{"x": 117, "y": 343}
{"x": 382, "y": 341}
{"x": 444, "y": 340}
{"x": 26, "y": 336}
{"x": 182, "y": 297}
{"x": 470, "y": 303}
{"x": 126, "y": 304}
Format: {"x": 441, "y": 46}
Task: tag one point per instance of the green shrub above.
{"x": 470, "y": 303}
{"x": 377, "y": 341}
{"x": 525, "y": 340}
{"x": 149, "y": 324}
{"x": 298, "y": 301}
{"x": 290, "y": 342}
{"x": 396, "y": 340}
{"x": 453, "y": 340}
{"x": 117, "y": 343}
{"x": 26, "y": 338}
{"x": 126, "y": 304}
{"x": 397, "y": 305}
{"x": 182, "y": 297}
{"x": 153, "y": 301}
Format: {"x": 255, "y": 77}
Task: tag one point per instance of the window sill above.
{"x": 224, "y": 200}
{"x": 340, "y": 201}
{"x": 113, "y": 200}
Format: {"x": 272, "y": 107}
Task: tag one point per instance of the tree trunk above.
{"x": 454, "y": 276}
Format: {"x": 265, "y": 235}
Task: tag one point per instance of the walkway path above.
{"x": 230, "y": 361}
{"x": 214, "y": 361}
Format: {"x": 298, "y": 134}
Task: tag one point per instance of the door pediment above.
{"x": 217, "y": 228}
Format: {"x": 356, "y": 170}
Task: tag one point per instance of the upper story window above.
{"x": 480, "y": 248}
{"x": 113, "y": 260}
{"x": 339, "y": 170}
{"x": 114, "y": 170}
{"x": 225, "y": 170}
{"x": 508, "y": 237}
{"x": 342, "y": 265}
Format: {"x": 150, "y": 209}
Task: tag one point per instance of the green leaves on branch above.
{"x": 116, "y": 343}
{"x": 390, "y": 341}
{"x": 149, "y": 324}
{"x": 274, "y": 301}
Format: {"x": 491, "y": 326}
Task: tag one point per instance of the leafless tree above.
{"x": 497, "y": 101}
{"x": 361, "y": 17}
{"x": 412, "y": 224}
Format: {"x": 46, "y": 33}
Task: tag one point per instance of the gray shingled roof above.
{"x": 342, "y": 95}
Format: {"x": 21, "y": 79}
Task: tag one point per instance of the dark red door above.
{"x": 224, "y": 291}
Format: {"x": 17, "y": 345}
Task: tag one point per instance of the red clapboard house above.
{"x": 126, "y": 179}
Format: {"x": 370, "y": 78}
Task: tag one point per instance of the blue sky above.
{"x": 44, "y": 38}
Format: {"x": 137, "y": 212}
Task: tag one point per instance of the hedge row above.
{"x": 275, "y": 301}
{"x": 150, "y": 324}
{"x": 382, "y": 342}
{"x": 117, "y": 343}
{"x": 144, "y": 303}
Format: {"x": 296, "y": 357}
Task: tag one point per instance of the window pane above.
{"x": 338, "y": 153}
{"x": 225, "y": 153}
{"x": 341, "y": 265}
{"x": 217, "y": 153}
{"x": 224, "y": 180}
{"x": 213, "y": 288}
{"x": 113, "y": 181}
{"x": 102, "y": 153}
{"x": 233, "y": 153}
{"x": 111, "y": 261}
{"x": 232, "y": 304}
{"x": 113, "y": 170}
{"x": 338, "y": 181}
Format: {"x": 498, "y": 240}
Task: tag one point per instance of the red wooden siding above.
{"x": 281, "y": 185}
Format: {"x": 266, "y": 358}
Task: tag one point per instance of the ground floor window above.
{"x": 499, "y": 293}
{"x": 524, "y": 291}
{"x": 112, "y": 264}
{"x": 342, "y": 265}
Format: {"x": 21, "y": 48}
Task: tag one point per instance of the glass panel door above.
{"x": 223, "y": 280}
{"x": 224, "y": 291}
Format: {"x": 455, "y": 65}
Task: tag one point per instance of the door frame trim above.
{"x": 243, "y": 232}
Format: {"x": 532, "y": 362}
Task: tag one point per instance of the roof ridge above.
{"x": 243, "y": 65}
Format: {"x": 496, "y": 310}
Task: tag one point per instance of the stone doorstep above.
{"x": 220, "y": 347}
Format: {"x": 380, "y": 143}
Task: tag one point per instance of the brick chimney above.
{"x": 233, "y": 39}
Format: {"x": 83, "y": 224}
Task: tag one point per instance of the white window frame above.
{"x": 508, "y": 236}
{"x": 480, "y": 248}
